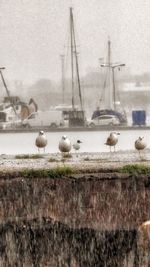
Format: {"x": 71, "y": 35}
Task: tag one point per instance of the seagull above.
{"x": 64, "y": 144}
{"x": 112, "y": 140}
{"x": 140, "y": 144}
{"x": 41, "y": 141}
{"x": 76, "y": 145}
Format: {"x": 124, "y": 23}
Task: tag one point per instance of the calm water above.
{"x": 93, "y": 141}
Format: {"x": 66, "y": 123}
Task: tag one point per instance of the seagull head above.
{"x": 41, "y": 132}
{"x": 64, "y": 137}
{"x": 141, "y": 138}
{"x": 79, "y": 142}
{"x": 114, "y": 133}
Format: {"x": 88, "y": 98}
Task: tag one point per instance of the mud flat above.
{"x": 81, "y": 211}
{"x": 82, "y": 161}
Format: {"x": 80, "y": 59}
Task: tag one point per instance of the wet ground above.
{"x": 76, "y": 160}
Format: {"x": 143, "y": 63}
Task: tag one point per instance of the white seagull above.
{"x": 112, "y": 140}
{"x": 76, "y": 145}
{"x": 140, "y": 144}
{"x": 41, "y": 141}
{"x": 64, "y": 144}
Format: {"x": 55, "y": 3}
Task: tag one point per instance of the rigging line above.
{"x": 67, "y": 49}
{"x": 77, "y": 65}
{"x": 114, "y": 88}
{"x": 66, "y": 53}
{"x": 117, "y": 91}
{"x": 104, "y": 86}
{"x": 72, "y": 58}
{"x": 106, "y": 59}
{"x": 118, "y": 97}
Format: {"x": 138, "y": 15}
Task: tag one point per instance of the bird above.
{"x": 140, "y": 144}
{"x": 64, "y": 144}
{"x": 112, "y": 140}
{"x": 41, "y": 141}
{"x": 76, "y": 145}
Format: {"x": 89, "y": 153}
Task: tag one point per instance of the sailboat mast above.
{"x": 109, "y": 75}
{"x": 114, "y": 88}
{"x": 111, "y": 80}
{"x": 63, "y": 78}
{"x": 77, "y": 65}
{"x": 76, "y": 117}
{"x": 72, "y": 61}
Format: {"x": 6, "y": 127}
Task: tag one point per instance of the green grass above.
{"x": 98, "y": 160}
{"x": 135, "y": 169}
{"x": 53, "y": 160}
{"x": 67, "y": 156}
{"x": 27, "y": 156}
{"x": 48, "y": 173}
{"x": 86, "y": 159}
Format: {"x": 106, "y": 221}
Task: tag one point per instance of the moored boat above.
{"x": 109, "y": 101}
{"x": 76, "y": 115}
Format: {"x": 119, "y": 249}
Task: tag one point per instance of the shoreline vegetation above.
{"x": 74, "y": 165}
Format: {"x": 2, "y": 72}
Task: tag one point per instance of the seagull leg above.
{"x": 144, "y": 153}
{"x": 76, "y": 153}
{"x": 140, "y": 155}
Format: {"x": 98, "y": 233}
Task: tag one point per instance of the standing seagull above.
{"x": 64, "y": 144}
{"x": 41, "y": 141}
{"x": 76, "y": 145}
{"x": 140, "y": 144}
{"x": 112, "y": 140}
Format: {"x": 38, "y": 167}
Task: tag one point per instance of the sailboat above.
{"x": 76, "y": 115}
{"x": 111, "y": 105}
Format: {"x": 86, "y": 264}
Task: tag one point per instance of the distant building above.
{"x": 136, "y": 87}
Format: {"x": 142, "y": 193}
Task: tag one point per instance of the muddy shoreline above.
{"x": 82, "y": 161}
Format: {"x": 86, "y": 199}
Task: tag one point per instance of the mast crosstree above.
{"x": 111, "y": 97}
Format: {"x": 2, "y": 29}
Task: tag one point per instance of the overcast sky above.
{"x": 33, "y": 34}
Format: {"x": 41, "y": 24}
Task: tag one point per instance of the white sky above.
{"x": 33, "y": 34}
